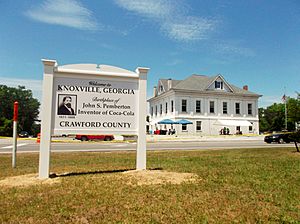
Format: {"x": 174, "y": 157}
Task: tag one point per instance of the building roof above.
{"x": 165, "y": 82}
{"x": 195, "y": 82}
{"x": 201, "y": 83}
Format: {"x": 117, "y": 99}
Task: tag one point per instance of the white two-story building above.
{"x": 208, "y": 104}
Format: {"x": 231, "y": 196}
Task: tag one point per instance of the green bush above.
{"x": 6, "y": 127}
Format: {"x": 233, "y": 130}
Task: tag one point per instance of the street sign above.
{"x": 92, "y": 99}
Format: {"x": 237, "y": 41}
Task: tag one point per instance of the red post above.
{"x": 14, "y": 150}
{"x": 16, "y": 106}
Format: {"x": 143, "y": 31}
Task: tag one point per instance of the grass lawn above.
{"x": 243, "y": 186}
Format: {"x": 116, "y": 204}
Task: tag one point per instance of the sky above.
{"x": 254, "y": 43}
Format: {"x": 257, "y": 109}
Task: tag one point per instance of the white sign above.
{"x": 95, "y": 105}
{"x": 88, "y": 99}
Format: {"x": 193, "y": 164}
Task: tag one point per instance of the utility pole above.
{"x": 285, "y": 115}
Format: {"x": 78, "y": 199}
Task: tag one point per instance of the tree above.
{"x": 295, "y": 137}
{"x": 273, "y": 117}
{"x": 293, "y": 109}
{"x": 6, "y": 126}
{"x": 263, "y": 124}
{"x": 28, "y": 109}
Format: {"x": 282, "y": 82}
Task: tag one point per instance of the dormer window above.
{"x": 218, "y": 85}
{"x": 161, "y": 88}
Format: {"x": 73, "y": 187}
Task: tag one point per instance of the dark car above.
{"x": 278, "y": 137}
{"x": 23, "y": 134}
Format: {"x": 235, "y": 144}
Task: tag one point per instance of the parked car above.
{"x": 278, "y": 137}
{"x": 94, "y": 137}
{"x": 160, "y": 132}
{"x": 23, "y": 134}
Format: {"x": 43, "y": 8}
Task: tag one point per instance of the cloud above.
{"x": 233, "y": 49}
{"x": 175, "y": 62}
{"x": 175, "y": 22}
{"x": 266, "y": 101}
{"x": 172, "y": 18}
{"x": 149, "y": 8}
{"x": 189, "y": 29}
{"x": 34, "y": 85}
{"x": 69, "y": 13}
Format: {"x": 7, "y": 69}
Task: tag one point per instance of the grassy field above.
{"x": 242, "y": 186}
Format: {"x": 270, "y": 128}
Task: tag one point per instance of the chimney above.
{"x": 154, "y": 91}
{"x": 245, "y": 87}
{"x": 169, "y": 83}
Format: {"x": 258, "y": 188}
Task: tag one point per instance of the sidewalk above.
{"x": 157, "y": 138}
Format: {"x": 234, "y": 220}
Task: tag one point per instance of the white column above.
{"x": 46, "y": 116}
{"x": 142, "y": 107}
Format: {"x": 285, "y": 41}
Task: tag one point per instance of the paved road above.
{"x": 71, "y": 146}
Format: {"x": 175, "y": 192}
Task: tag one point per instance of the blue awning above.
{"x": 167, "y": 121}
{"x": 183, "y": 121}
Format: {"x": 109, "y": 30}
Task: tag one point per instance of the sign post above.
{"x": 15, "y": 125}
{"x": 45, "y": 145}
{"x": 92, "y": 99}
{"x": 141, "y": 141}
